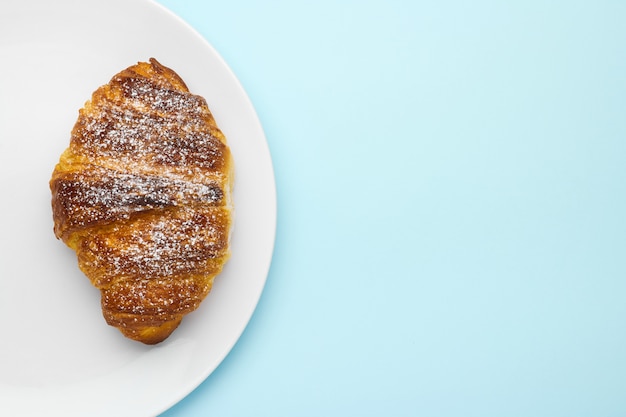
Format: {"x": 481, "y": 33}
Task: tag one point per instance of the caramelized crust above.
{"x": 143, "y": 195}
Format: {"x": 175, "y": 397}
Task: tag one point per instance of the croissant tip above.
{"x": 151, "y": 335}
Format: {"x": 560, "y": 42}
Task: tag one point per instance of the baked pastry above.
{"x": 143, "y": 195}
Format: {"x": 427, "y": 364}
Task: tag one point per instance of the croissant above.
{"x": 143, "y": 195}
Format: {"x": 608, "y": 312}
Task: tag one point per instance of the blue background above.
{"x": 451, "y": 186}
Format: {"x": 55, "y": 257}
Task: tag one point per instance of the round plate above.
{"x": 59, "y": 357}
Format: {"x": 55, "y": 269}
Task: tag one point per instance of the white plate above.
{"x": 58, "y": 357}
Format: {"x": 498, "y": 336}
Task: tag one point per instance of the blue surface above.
{"x": 451, "y": 208}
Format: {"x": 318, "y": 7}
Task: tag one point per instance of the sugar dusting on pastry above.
{"x": 146, "y": 120}
{"x": 143, "y": 196}
{"x": 157, "y": 245}
{"x": 146, "y": 135}
{"x": 97, "y": 194}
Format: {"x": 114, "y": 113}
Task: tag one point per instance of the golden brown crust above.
{"x": 143, "y": 195}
